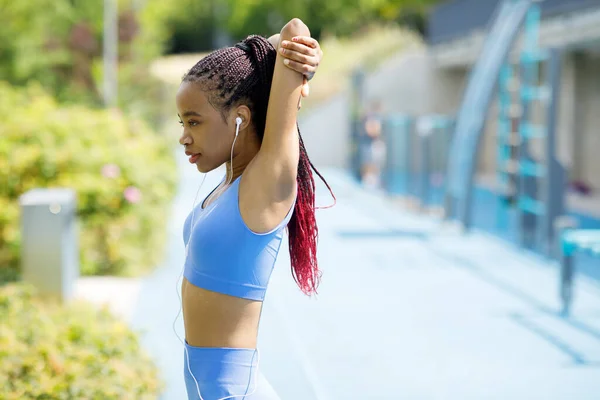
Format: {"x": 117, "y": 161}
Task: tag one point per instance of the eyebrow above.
{"x": 191, "y": 114}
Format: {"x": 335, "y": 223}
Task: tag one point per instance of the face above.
{"x": 206, "y": 136}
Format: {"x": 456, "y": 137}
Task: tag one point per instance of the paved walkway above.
{"x": 408, "y": 309}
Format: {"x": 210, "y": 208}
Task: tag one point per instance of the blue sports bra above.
{"x": 225, "y": 256}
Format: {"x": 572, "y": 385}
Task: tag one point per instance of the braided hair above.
{"x": 243, "y": 74}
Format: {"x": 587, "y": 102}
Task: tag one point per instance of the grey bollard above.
{"x": 49, "y": 245}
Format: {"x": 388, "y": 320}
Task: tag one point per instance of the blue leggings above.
{"x": 223, "y": 372}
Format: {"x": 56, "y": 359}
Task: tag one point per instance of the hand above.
{"x": 302, "y": 54}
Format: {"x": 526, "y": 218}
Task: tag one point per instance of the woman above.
{"x": 238, "y": 107}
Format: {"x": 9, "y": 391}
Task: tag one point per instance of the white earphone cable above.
{"x": 238, "y": 121}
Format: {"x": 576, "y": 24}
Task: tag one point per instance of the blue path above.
{"x": 408, "y": 309}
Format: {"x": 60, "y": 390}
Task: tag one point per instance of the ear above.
{"x": 244, "y": 113}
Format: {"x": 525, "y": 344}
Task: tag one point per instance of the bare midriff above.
{"x": 218, "y": 320}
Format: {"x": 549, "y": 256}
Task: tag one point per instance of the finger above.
{"x": 305, "y": 88}
{"x": 299, "y": 48}
{"x": 304, "y": 69}
{"x": 307, "y": 40}
{"x": 304, "y": 91}
{"x": 301, "y": 58}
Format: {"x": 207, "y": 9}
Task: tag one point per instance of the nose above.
{"x": 185, "y": 139}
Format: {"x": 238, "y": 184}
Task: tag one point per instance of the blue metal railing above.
{"x": 459, "y": 18}
{"x": 417, "y": 151}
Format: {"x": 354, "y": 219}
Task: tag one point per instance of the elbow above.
{"x": 295, "y": 28}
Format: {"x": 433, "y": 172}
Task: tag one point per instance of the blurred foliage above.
{"x": 51, "y": 351}
{"x": 197, "y": 25}
{"x": 123, "y": 173}
{"x": 59, "y": 44}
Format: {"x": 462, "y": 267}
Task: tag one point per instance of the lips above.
{"x": 194, "y": 158}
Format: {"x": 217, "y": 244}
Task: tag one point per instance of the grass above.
{"x": 368, "y": 48}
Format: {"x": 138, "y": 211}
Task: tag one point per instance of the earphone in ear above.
{"x": 238, "y": 122}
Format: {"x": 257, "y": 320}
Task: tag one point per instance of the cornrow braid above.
{"x": 244, "y": 73}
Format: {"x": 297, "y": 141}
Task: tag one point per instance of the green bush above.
{"x": 124, "y": 175}
{"x": 50, "y": 351}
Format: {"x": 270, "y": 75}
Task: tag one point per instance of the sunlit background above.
{"x": 462, "y": 260}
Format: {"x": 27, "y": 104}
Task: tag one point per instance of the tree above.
{"x": 193, "y": 23}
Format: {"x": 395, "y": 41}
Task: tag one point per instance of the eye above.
{"x": 191, "y": 123}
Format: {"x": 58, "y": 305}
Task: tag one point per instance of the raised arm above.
{"x": 271, "y": 178}
{"x": 280, "y": 141}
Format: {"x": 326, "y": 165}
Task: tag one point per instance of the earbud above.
{"x": 238, "y": 122}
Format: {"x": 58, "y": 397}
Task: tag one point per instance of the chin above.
{"x": 204, "y": 168}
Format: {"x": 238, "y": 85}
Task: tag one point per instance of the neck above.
{"x": 241, "y": 161}
{"x": 238, "y": 169}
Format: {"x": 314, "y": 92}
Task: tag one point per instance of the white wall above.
{"x": 586, "y": 138}
{"x": 326, "y": 132}
{"x": 402, "y": 84}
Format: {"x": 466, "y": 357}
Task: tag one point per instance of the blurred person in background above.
{"x": 238, "y": 106}
{"x": 373, "y": 147}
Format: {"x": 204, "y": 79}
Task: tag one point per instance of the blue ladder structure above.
{"x": 541, "y": 182}
{"x": 507, "y": 141}
{"x": 534, "y": 187}
{"x": 529, "y": 204}
{"x": 504, "y": 28}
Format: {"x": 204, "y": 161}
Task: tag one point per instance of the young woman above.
{"x": 238, "y": 107}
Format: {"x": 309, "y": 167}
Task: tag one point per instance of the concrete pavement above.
{"x": 408, "y": 309}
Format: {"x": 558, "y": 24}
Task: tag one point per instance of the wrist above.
{"x": 274, "y": 40}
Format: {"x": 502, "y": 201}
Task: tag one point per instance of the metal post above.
{"x": 49, "y": 246}
{"x": 441, "y": 144}
{"x": 396, "y": 129}
{"x": 425, "y": 128}
{"x": 566, "y": 283}
{"x": 110, "y": 49}
{"x": 564, "y": 252}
